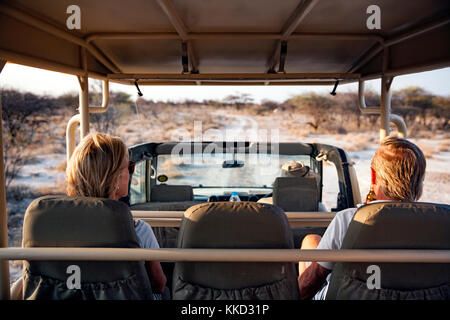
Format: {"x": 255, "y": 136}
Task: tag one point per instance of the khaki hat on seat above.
{"x": 294, "y": 169}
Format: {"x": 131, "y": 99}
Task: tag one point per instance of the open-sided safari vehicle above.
{"x": 212, "y": 248}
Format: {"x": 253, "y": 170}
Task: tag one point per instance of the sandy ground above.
{"x": 44, "y": 172}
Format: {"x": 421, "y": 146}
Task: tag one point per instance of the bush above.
{"x": 23, "y": 114}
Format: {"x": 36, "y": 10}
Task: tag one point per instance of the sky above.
{"x": 51, "y": 83}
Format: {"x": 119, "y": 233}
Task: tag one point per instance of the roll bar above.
{"x": 71, "y": 129}
{"x": 384, "y": 110}
{"x": 83, "y": 117}
{"x": 105, "y": 99}
{"x": 226, "y": 255}
{"x": 218, "y": 255}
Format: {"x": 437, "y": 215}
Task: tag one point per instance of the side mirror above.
{"x": 232, "y": 164}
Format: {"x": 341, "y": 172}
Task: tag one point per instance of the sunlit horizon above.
{"x": 51, "y": 83}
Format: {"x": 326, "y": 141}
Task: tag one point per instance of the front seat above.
{"x": 296, "y": 193}
{"x": 234, "y": 225}
{"x": 395, "y": 225}
{"x": 60, "y": 221}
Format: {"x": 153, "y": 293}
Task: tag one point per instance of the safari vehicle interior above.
{"x": 212, "y": 248}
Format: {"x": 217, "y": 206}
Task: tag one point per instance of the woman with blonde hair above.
{"x": 100, "y": 167}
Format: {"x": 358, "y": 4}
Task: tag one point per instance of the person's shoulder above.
{"x": 145, "y": 234}
{"x": 140, "y": 226}
{"x": 347, "y": 212}
{"x": 345, "y": 215}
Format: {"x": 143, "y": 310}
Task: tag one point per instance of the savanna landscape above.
{"x": 34, "y": 130}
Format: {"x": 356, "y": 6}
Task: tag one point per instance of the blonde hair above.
{"x": 94, "y": 166}
{"x": 400, "y": 169}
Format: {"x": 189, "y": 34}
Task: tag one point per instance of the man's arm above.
{"x": 156, "y": 275}
{"x": 311, "y": 280}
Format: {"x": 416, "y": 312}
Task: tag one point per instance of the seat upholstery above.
{"x": 234, "y": 225}
{"x": 167, "y": 193}
{"x": 395, "y": 225}
{"x": 60, "y": 221}
{"x": 296, "y": 193}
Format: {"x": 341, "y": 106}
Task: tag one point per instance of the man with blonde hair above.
{"x": 398, "y": 169}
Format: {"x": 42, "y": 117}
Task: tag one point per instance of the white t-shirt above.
{"x": 334, "y": 235}
{"x": 145, "y": 235}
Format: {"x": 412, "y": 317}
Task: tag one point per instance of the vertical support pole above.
{"x": 84, "y": 97}
{"x": 4, "y": 264}
{"x": 385, "y": 115}
{"x": 385, "y": 105}
{"x": 84, "y": 106}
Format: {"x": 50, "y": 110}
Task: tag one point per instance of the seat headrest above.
{"x": 61, "y": 221}
{"x": 403, "y": 225}
{"x": 235, "y": 225}
{"x": 56, "y": 221}
{"x": 296, "y": 193}
{"x": 167, "y": 193}
{"x": 395, "y": 225}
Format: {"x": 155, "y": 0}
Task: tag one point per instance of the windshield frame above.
{"x": 345, "y": 198}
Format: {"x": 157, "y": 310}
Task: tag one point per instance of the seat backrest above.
{"x": 167, "y": 193}
{"x": 395, "y": 225}
{"x": 234, "y": 225}
{"x": 60, "y": 221}
{"x": 296, "y": 193}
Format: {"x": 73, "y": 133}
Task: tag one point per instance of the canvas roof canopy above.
{"x": 262, "y": 42}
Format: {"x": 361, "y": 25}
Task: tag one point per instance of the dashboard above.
{"x": 226, "y": 197}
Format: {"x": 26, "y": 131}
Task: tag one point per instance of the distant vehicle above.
{"x": 232, "y": 42}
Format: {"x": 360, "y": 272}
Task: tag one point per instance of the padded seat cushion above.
{"x": 52, "y": 221}
{"x": 395, "y": 225}
{"x": 296, "y": 193}
{"x": 166, "y": 193}
{"x": 60, "y": 221}
{"x": 247, "y": 225}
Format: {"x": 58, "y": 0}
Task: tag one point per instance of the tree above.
{"x": 418, "y": 98}
{"x": 318, "y": 107}
{"x": 69, "y": 99}
{"x": 239, "y": 100}
{"x": 108, "y": 121}
{"x": 441, "y": 111}
{"x": 23, "y": 114}
{"x": 346, "y": 108}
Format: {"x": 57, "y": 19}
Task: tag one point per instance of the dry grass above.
{"x": 61, "y": 166}
{"x": 427, "y": 149}
{"x": 358, "y": 141}
{"x": 444, "y": 146}
{"x": 417, "y": 131}
{"x": 57, "y": 189}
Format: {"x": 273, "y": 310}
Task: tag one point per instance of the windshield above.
{"x": 254, "y": 173}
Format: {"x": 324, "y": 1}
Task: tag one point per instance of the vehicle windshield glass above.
{"x": 226, "y": 171}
